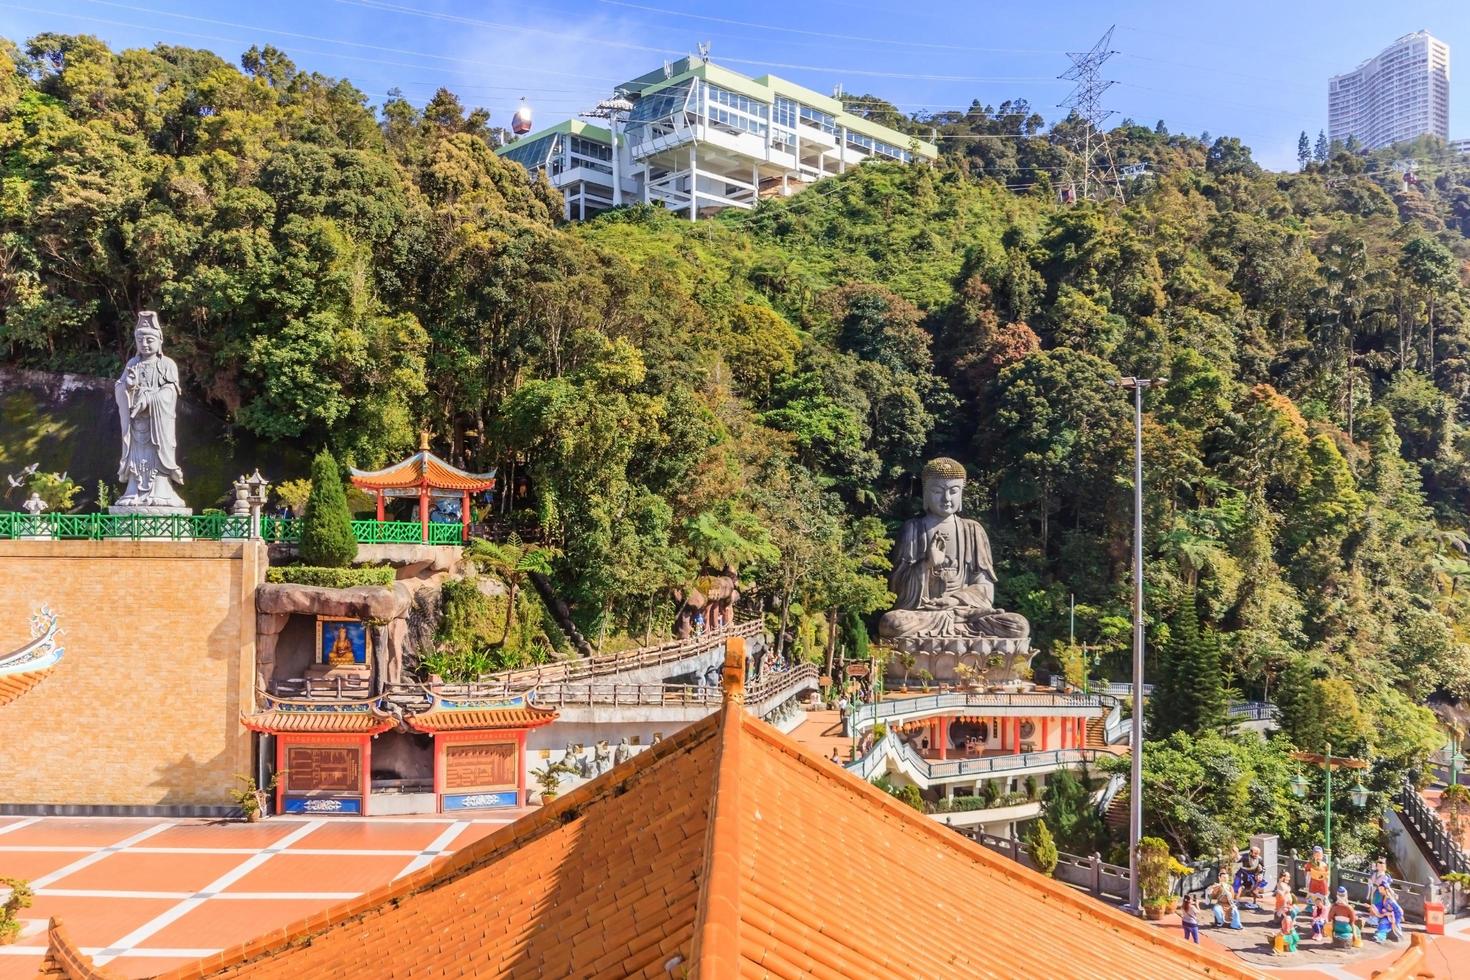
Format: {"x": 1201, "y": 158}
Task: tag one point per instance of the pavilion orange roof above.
{"x": 701, "y": 857}
{"x": 479, "y": 716}
{"x": 423, "y": 469}
{"x": 323, "y": 721}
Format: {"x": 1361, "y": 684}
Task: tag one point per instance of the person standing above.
{"x": 1189, "y": 917}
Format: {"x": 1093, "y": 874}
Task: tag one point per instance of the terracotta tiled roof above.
{"x": 704, "y": 856}
{"x": 444, "y": 718}
{"x": 423, "y": 468}
{"x": 320, "y": 721}
{"x": 64, "y": 961}
{"x": 13, "y": 686}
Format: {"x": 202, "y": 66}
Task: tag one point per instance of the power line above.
{"x": 385, "y": 5}
{"x": 821, "y": 34}
{"x": 294, "y": 34}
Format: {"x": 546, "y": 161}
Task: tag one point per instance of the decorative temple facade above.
{"x": 982, "y": 758}
{"x": 324, "y": 751}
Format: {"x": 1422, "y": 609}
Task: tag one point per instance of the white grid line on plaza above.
{"x": 243, "y": 851}
{"x": 165, "y": 919}
{"x": 162, "y": 952}
{"x": 128, "y": 946}
{"x": 19, "y": 824}
{"x": 179, "y": 896}
{"x": 98, "y": 855}
{"x": 439, "y": 845}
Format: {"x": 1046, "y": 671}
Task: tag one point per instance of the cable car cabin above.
{"x": 520, "y": 124}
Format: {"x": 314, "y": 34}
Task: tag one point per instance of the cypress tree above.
{"x": 326, "y": 527}
{"x": 1189, "y": 686}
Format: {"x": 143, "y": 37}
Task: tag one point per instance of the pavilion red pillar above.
{"x": 943, "y": 739}
{"x": 1045, "y": 734}
{"x": 379, "y": 495}
{"x": 424, "y": 513}
{"x": 464, "y": 515}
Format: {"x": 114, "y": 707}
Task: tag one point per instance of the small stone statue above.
{"x": 147, "y": 397}
{"x": 943, "y": 574}
{"x": 624, "y": 752}
{"x": 34, "y": 505}
{"x": 602, "y": 757}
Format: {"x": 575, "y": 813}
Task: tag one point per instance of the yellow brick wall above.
{"x": 144, "y": 707}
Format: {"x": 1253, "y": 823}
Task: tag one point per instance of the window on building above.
{"x": 659, "y": 113}
{"x": 738, "y": 112}
{"x": 818, "y": 119}
{"x": 535, "y": 154}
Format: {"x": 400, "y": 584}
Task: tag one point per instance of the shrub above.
{"x": 57, "y": 489}
{"x": 1041, "y": 848}
{"x": 20, "y": 898}
{"x": 330, "y": 578}
{"x": 326, "y": 528}
{"x": 1154, "y": 864}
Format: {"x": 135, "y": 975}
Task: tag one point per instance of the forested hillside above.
{"x": 759, "y": 390}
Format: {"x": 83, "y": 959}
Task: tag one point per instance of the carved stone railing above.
{"x": 867, "y": 715}
{"x": 669, "y": 695}
{"x": 577, "y": 669}
{"x": 1446, "y": 851}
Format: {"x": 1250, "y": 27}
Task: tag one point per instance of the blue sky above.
{"x": 1254, "y": 69}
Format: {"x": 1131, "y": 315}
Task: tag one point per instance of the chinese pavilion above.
{"x": 427, "y": 477}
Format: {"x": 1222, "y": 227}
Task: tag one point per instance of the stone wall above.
{"x": 144, "y": 708}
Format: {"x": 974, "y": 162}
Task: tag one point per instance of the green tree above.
{"x": 326, "y": 526}
{"x": 1320, "y": 150}
{"x": 1067, "y": 805}
{"x": 1303, "y": 151}
{"x": 513, "y": 562}
{"x": 1041, "y": 849}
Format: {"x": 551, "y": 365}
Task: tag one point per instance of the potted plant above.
{"x": 1154, "y": 864}
{"x": 926, "y": 679}
{"x": 251, "y": 798}
{"x": 969, "y": 676}
{"x": 548, "y": 779}
{"x": 906, "y": 660}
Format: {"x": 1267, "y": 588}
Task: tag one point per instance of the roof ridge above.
{"x": 716, "y": 952}
{"x": 1218, "y": 965}
{"x": 462, "y": 862}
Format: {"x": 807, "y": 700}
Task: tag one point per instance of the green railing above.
{"x": 208, "y": 527}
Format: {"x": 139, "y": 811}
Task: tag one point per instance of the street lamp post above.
{"x": 1135, "y": 781}
{"x": 1329, "y": 762}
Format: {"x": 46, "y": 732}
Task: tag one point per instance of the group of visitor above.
{"x": 1382, "y": 918}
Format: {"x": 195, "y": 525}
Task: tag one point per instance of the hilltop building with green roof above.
{"x": 699, "y": 138}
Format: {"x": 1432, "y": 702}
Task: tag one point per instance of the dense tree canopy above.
{"x": 336, "y": 275}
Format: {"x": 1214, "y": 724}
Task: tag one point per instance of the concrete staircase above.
{"x": 1095, "y": 734}
{"x": 1117, "y": 816}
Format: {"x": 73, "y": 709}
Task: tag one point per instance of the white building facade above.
{"x": 1400, "y": 94}
{"x": 700, "y": 138}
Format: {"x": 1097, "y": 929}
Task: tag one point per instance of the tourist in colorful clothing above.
{"x": 1189, "y": 917}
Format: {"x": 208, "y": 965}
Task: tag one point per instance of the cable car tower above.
{"x": 1099, "y": 173}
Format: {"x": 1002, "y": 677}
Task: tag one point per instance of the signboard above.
{"x": 479, "y": 801}
{"x": 306, "y": 804}
{"x": 342, "y": 642}
{"x": 332, "y": 769}
{"x": 479, "y": 765}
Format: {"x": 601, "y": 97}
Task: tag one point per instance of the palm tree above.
{"x": 512, "y": 562}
